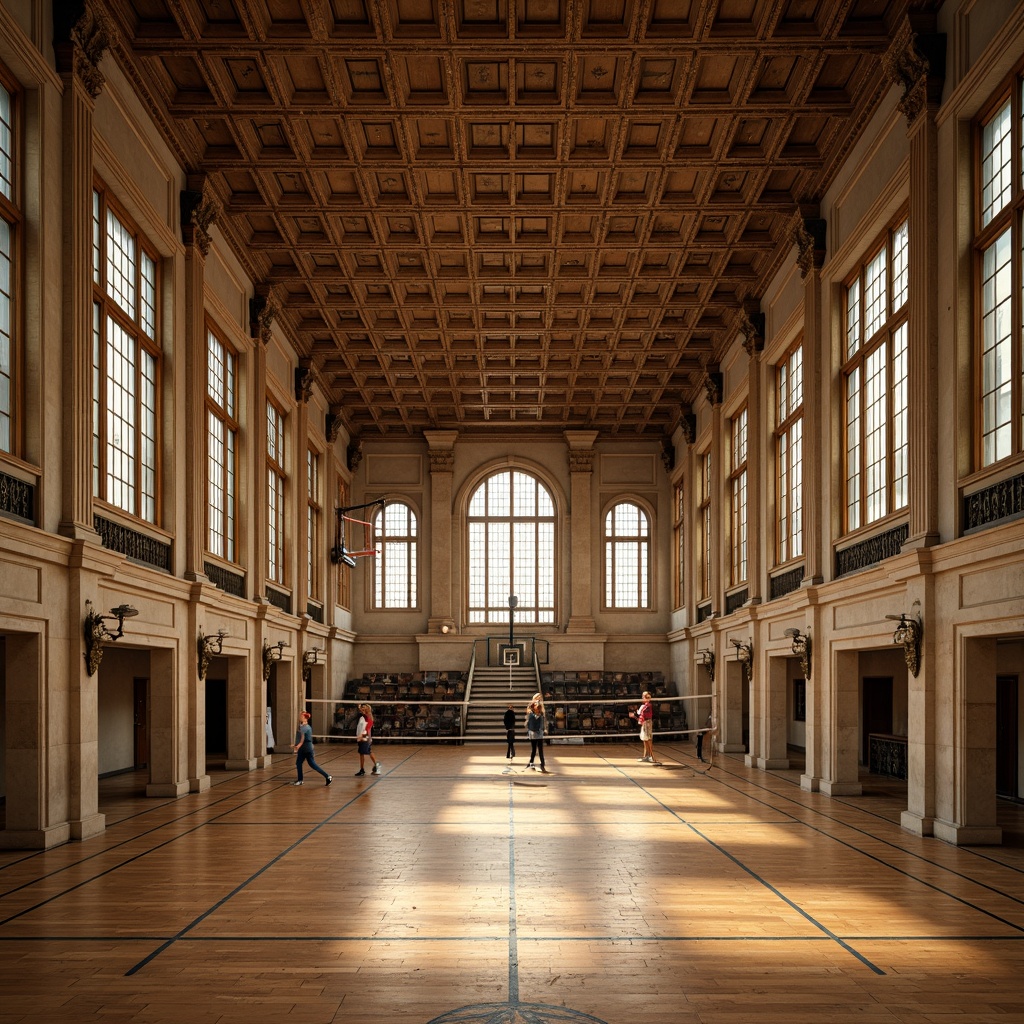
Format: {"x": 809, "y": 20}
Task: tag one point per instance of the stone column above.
{"x": 441, "y": 452}
{"x": 305, "y": 376}
{"x": 916, "y": 62}
{"x": 81, "y": 38}
{"x": 713, "y": 384}
{"x": 750, "y": 324}
{"x": 809, "y": 236}
{"x": 262, "y": 311}
{"x": 581, "y": 469}
{"x": 841, "y": 749}
{"x": 198, "y": 211}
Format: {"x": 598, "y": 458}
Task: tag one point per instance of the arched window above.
{"x": 395, "y": 566}
{"x": 627, "y": 552}
{"x": 511, "y": 549}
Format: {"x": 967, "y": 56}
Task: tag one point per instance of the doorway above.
{"x": 1007, "y": 739}
{"x": 876, "y": 711}
{"x": 140, "y": 704}
{"x": 216, "y": 718}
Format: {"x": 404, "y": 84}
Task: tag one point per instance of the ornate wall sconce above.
{"x": 98, "y": 634}
{"x": 908, "y": 636}
{"x": 745, "y": 656}
{"x": 271, "y": 653}
{"x": 707, "y": 659}
{"x": 801, "y": 648}
{"x": 207, "y": 647}
{"x": 309, "y": 659}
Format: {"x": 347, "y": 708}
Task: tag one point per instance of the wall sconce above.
{"x": 908, "y": 635}
{"x": 309, "y": 659}
{"x": 207, "y": 647}
{"x": 801, "y": 648}
{"x": 745, "y": 656}
{"x": 707, "y": 659}
{"x": 97, "y": 633}
{"x": 271, "y": 653}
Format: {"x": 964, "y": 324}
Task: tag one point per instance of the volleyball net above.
{"x": 453, "y": 720}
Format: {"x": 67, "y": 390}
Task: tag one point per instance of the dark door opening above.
{"x": 876, "y": 711}
{"x": 141, "y": 722}
{"x": 1007, "y": 739}
{"x": 216, "y": 718}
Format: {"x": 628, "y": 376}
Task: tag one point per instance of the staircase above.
{"x": 490, "y": 694}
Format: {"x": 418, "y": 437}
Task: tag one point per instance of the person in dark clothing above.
{"x": 510, "y": 732}
{"x": 304, "y": 750}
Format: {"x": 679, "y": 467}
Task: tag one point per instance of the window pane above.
{"x": 900, "y": 443}
{"x": 995, "y": 353}
{"x": 874, "y": 294}
{"x": 120, "y": 418}
{"x": 995, "y": 165}
{"x": 6, "y": 337}
{"x": 120, "y": 265}
{"x": 853, "y": 450}
{"x": 875, "y": 441}
{"x": 6, "y": 145}
{"x": 900, "y": 266}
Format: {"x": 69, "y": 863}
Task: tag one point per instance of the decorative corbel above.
{"x": 809, "y": 239}
{"x": 199, "y": 210}
{"x": 305, "y": 376}
{"x": 81, "y": 38}
{"x": 749, "y": 322}
{"x": 263, "y": 310}
{"x": 354, "y": 454}
{"x": 688, "y": 424}
{"x": 332, "y": 424}
{"x": 713, "y": 384}
{"x": 916, "y": 61}
{"x": 668, "y": 454}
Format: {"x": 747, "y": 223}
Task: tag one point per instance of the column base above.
{"x": 917, "y": 823}
{"x": 809, "y": 783}
{"x": 265, "y": 761}
{"x": 768, "y": 764}
{"x": 967, "y": 835}
{"x": 732, "y": 748}
{"x": 581, "y": 624}
{"x": 34, "y": 838}
{"x": 840, "y": 788}
{"x": 199, "y": 785}
{"x": 241, "y": 764}
{"x": 174, "y": 789}
{"x": 86, "y": 828}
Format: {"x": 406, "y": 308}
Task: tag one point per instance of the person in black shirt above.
{"x": 510, "y": 732}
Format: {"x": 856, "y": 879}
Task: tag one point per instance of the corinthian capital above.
{"x": 81, "y": 36}
{"x": 199, "y": 210}
{"x": 916, "y": 61}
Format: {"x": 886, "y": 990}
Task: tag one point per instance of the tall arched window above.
{"x": 627, "y": 553}
{"x": 511, "y": 549}
{"x": 395, "y": 538}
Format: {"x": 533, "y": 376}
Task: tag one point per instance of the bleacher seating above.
{"x": 406, "y": 706}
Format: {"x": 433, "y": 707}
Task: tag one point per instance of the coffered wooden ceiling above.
{"x": 494, "y": 215}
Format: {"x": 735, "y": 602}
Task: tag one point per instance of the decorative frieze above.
{"x": 230, "y": 582}
{"x": 785, "y": 583}
{"x": 871, "y": 550}
{"x": 737, "y": 600}
{"x": 704, "y": 612}
{"x": 442, "y": 460}
{"x": 994, "y": 503}
{"x": 581, "y": 460}
{"x": 315, "y": 612}
{"x": 17, "y": 499}
{"x": 132, "y": 544}
{"x": 279, "y": 599}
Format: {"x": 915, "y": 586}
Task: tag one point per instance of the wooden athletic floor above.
{"x": 447, "y": 890}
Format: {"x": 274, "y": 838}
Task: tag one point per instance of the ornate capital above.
{"x": 749, "y": 322}
{"x": 581, "y": 460}
{"x": 354, "y": 454}
{"x": 668, "y": 454}
{"x": 263, "y": 310}
{"x": 688, "y": 424}
{"x": 81, "y": 36}
{"x": 809, "y": 239}
{"x": 332, "y": 424}
{"x": 442, "y": 460}
{"x": 916, "y": 61}
{"x": 305, "y": 376}
{"x": 713, "y": 385}
{"x": 199, "y": 210}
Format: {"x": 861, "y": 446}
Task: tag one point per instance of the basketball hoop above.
{"x": 340, "y": 553}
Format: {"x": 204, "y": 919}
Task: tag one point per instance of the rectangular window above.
{"x": 344, "y": 577}
{"x": 704, "y": 524}
{"x": 789, "y": 436}
{"x": 738, "y": 496}
{"x": 221, "y": 448}
{"x": 314, "y": 517}
{"x": 999, "y": 245}
{"x": 875, "y": 382}
{"x": 679, "y": 529}
{"x": 10, "y": 234}
{"x": 275, "y": 494}
{"x": 125, "y": 364}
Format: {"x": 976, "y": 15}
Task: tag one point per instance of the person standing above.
{"x": 645, "y": 716}
{"x": 304, "y": 750}
{"x": 510, "y": 732}
{"x": 535, "y": 730}
{"x": 364, "y": 740}
{"x": 700, "y": 739}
